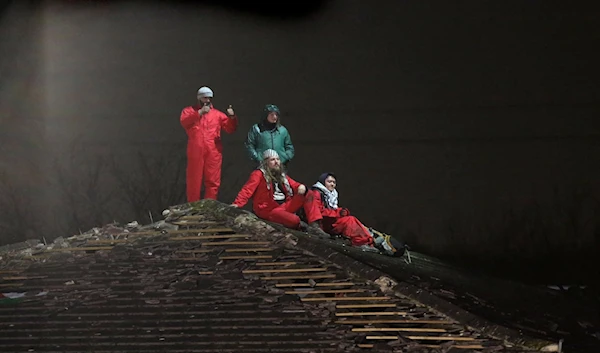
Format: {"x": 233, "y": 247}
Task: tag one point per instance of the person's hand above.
{"x": 344, "y": 212}
{"x": 301, "y": 189}
{"x": 234, "y": 205}
{"x": 230, "y": 111}
{"x": 205, "y": 109}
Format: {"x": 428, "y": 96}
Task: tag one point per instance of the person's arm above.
{"x": 189, "y": 116}
{"x": 229, "y": 122}
{"x": 250, "y": 143}
{"x": 248, "y": 189}
{"x": 288, "y": 146}
{"x": 296, "y": 186}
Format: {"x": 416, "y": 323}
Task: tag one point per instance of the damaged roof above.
{"x": 209, "y": 278}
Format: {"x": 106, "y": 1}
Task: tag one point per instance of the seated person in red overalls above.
{"x": 275, "y": 196}
{"x": 326, "y": 214}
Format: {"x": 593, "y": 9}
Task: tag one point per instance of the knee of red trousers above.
{"x": 295, "y": 203}
{"x": 212, "y": 180}
{"x": 311, "y": 209}
{"x": 312, "y": 214}
{"x": 284, "y": 218}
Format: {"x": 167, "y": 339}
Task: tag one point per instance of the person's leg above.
{"x": 285, "y": 214}
{"x": 294, "y": 204}
{"x": 195, "y": 166}
{"x": 351, "y": 228}
{"x": 282, "y": 216}
{"x": 311, "y": 208}
{"x": 213, "y": 162}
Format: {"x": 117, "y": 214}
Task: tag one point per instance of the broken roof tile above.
{"x": 233, "y": 284}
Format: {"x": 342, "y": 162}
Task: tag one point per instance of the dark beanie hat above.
{"x": 271, "y": 108}
{"x": 324, "y": 176}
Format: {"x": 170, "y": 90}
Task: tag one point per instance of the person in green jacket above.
{"x": 270, "y": 134}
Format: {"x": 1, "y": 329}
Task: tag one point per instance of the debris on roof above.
{"x": 210, "y": 278}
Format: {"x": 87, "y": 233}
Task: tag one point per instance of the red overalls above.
{"x": 333, "y": 223}
{"x": 204, "y": 149}
{"x": 265, "y": 207}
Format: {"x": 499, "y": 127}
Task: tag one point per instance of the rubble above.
{"x": 159, "y": 264}
{"x": 106, "y": 234}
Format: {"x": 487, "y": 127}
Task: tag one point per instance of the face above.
{"x": 203, "y": 100}
{"x": 272, "y": 117}
{"x": 330, "y": 183}
{"x": 274, "y": 163}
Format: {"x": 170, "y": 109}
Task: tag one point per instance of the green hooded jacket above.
{"x": 264, "y": 136}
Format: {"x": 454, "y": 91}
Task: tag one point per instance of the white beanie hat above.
{"x": 270, "y": 153}
{"x": 205, "y": 92}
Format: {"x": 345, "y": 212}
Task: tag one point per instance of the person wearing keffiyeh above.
{"x": 333, "y": 219}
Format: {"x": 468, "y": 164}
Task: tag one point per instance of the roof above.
{"x": 209, "y": 278}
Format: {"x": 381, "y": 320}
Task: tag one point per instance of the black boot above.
{"x": 315, "y": 228}
{"x": 303, "y": 226}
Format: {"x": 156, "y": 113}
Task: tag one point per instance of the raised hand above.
{"x": 230, "y": 111}
{"x": 205, "y": 109}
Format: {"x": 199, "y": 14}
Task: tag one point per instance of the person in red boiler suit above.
{"x": 275, "y": 196}
{"x": 322, "y": 199}
{"x": 203, "y": 124}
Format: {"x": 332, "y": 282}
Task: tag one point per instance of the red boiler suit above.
{"x": 265, "y": 207}
{"x": 333, "y": 223}
{"x": 204, "y": 149}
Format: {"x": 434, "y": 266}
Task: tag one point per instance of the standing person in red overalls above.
{"x": 203, "y": 124}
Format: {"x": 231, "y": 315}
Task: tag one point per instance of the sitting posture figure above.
{"x": 326, "y": 214}
{"x": 275, "y": 196}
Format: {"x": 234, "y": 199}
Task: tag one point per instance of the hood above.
{"x": 265, "y": 125}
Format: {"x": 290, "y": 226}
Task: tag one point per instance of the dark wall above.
{"x": 429, "y": 113}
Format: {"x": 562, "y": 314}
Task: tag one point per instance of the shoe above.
{"x": 303, "y": 226}
{"x": 368, "y": 248}
{"x": 319, "y": 232}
